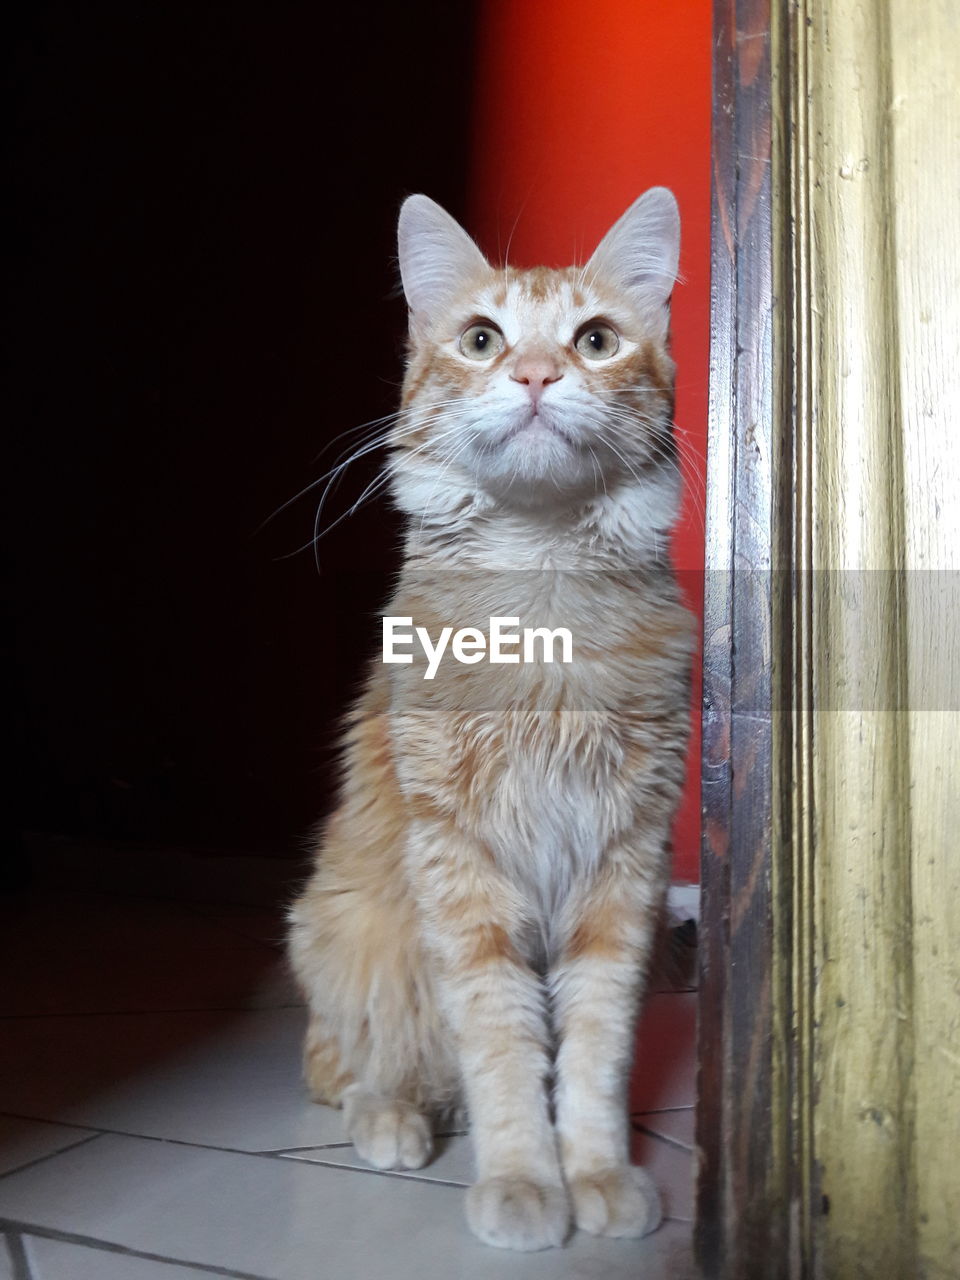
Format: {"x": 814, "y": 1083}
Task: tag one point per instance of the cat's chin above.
{"x": 535, "y": 467}
{"x": 539, "y": 492}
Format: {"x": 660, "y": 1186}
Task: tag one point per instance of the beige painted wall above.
{"x": 872, "y": 344}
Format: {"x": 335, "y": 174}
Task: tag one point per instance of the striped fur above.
{"x": 480, "y": 917}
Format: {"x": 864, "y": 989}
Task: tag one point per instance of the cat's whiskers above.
{"x": 376, "y": 485}
{"x": 374, "y": 422}
{"x": 379, "y": 481}
{"x": 598, "y": 470}
{"x": 686, "y": 463}
{"x": 602, "y": 421}
{"x": 392, "y": 438}
{"x": 605, "y": 440}
{"x": 449, "y": 463}
{"x": 665, "y": 442}
{"x": 451, "y": 427}
{"x": 679, "y": 433}
{"x": 382, "y": 432}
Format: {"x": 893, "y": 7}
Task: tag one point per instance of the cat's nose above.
{"x": 536, "y": 372}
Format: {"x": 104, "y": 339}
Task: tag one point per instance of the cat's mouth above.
{"x": 537, "y": 421}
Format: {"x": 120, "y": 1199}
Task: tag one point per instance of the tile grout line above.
{"x": 18, "y": 1256}
{"x": 232, "y": 1151}
{"x": 101, "y": 1132}
{"x": 314, "y": 1146}
{"x": 661, "y": 1111}
{"x": 20, "y": 1229}
{"x": 402, "y": 1175}
{"x": 96, "y": 1131}
{"x": 50, "y": 1155}
{"x": 663, "y": 1137}
{"x": 397, "y": 1175}
{"x": 271, "y": 1153}
{"x": 92, "y": 1242}
{"x": 285, "y": 1154}
{"x": 327, "y": 1146}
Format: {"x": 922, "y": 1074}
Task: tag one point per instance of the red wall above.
{"x": 578, "y": 109}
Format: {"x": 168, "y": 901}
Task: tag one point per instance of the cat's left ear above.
{"x": 437, "y": 258}
{"x": 641, "y": 251}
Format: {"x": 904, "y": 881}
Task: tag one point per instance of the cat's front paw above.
{"x": 518, "y": 1213}
{"x": 622, "y": 1201}
{"x": 390, "y": 1135}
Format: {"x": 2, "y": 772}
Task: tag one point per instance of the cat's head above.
{"x": 538, "y": 386}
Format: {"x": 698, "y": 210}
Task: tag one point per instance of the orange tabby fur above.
{"x": 486, "y": 894}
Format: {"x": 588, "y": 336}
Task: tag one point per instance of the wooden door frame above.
{"x": 829, "y": 1035}
{"x": 740, "y": 1173}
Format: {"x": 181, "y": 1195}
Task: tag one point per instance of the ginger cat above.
{"x": 480, "y": 918}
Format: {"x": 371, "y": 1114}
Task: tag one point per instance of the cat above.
{"x": 480, "y": 918}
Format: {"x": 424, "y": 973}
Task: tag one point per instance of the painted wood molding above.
{"x": 871, "y": 248}
{"x": 831, "y": 982}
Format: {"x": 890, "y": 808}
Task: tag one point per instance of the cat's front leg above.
{"x": 495, "y": 1004}
{"x": 596, "y": 984}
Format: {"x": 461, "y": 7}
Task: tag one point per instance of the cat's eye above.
{"x": 597, "y": 342}
{"x": 481, "y": 341}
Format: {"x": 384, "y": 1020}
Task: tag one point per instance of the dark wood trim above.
{"x": 741, "y": 1203}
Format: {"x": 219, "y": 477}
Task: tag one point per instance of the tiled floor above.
{"x": 153, "y": 1126}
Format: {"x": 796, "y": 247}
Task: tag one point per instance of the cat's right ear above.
{"x": 640, "y": 252}
{"x": 437, "y": 258}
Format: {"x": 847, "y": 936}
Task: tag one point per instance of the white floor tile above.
{"x": 678, "y": 1126}
{"x": 22, "y": 1141}
{"x": 57, "y": 1260}
{"x": 290, "y": 1220}
{"x": 665, "y": 1071}
{"x": 453, "y": 1161}
{"x": 671, "y": 1169}
{"x": 228, "y": 1080}
{"x": 211, "y": 1058}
